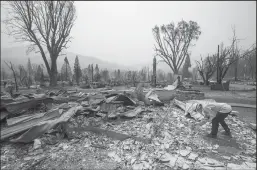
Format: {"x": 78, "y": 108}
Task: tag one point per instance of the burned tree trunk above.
{"x": 14, "y": 75}
{"x": 53, "y": 73}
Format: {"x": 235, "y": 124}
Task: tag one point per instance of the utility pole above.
{"x": 92, "y": 69}
{"x": 154, "y": 71}
{"x": 235, "y": 56}
{"x": 148, "y": 74}
{"x": 66, "y": 72}
{"x": 218, "y": 65}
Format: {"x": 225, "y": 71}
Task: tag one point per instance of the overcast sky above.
{"x": 121, "y": 31}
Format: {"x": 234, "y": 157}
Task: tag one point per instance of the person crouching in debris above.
{"x": 216, "y": 112}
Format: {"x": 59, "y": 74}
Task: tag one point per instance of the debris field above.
{"x": 66, "y": 129}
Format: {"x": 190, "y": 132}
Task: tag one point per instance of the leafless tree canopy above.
{"x": 44, "y": 24}
{"x": 229, "y": 55}
{"x": 207, "y": 67}
{"x": 251, "y": 60}
{"x": 173, "y": 42}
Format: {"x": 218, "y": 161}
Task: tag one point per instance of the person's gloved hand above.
{"x": 234, "y": 113}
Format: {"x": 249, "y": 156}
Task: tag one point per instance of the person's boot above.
{"x": 211, "y": 136}
{"x": 227, "y": 133}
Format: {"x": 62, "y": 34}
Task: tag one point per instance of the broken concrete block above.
{"x": 180, "y": 161}
{"x": 166, "y": 158}
{"x": 173, "y": 160}
{"x": 184, "y": 152}
{"x": 202, "y": 160}
{"x": 37, "y": 144}
{"x": 193, "y": 156}
{"x": 185, "y": 166}
{"x": 114, "y": 156}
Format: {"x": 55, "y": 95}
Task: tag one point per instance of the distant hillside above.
{"x": 18, "y": 56}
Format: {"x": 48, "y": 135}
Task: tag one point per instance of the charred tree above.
{"x": 45, "y": 25}
{"x": 173, "y": 42}
{"x": 11, "y": 67}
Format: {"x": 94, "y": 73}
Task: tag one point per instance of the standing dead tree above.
{"x": 44, "y": 24}
{"x": 173, "y": 42}
{"x": 66, "y": 74}
{"x": 134, "y": 78}
{"x": 251, "y": 60}
{"x": 206, "y": 68}
{"x": 11, "y": 67}
{"x": 229, "y": 55}
{"x": 24, "y": 80}
{"x": 186, "y": 66}
{"x": 143, "y": 74}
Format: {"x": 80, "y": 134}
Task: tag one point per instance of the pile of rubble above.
{"x": 67, "y": 127}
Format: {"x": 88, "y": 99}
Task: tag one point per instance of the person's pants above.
{"x": 219, "y": 119}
